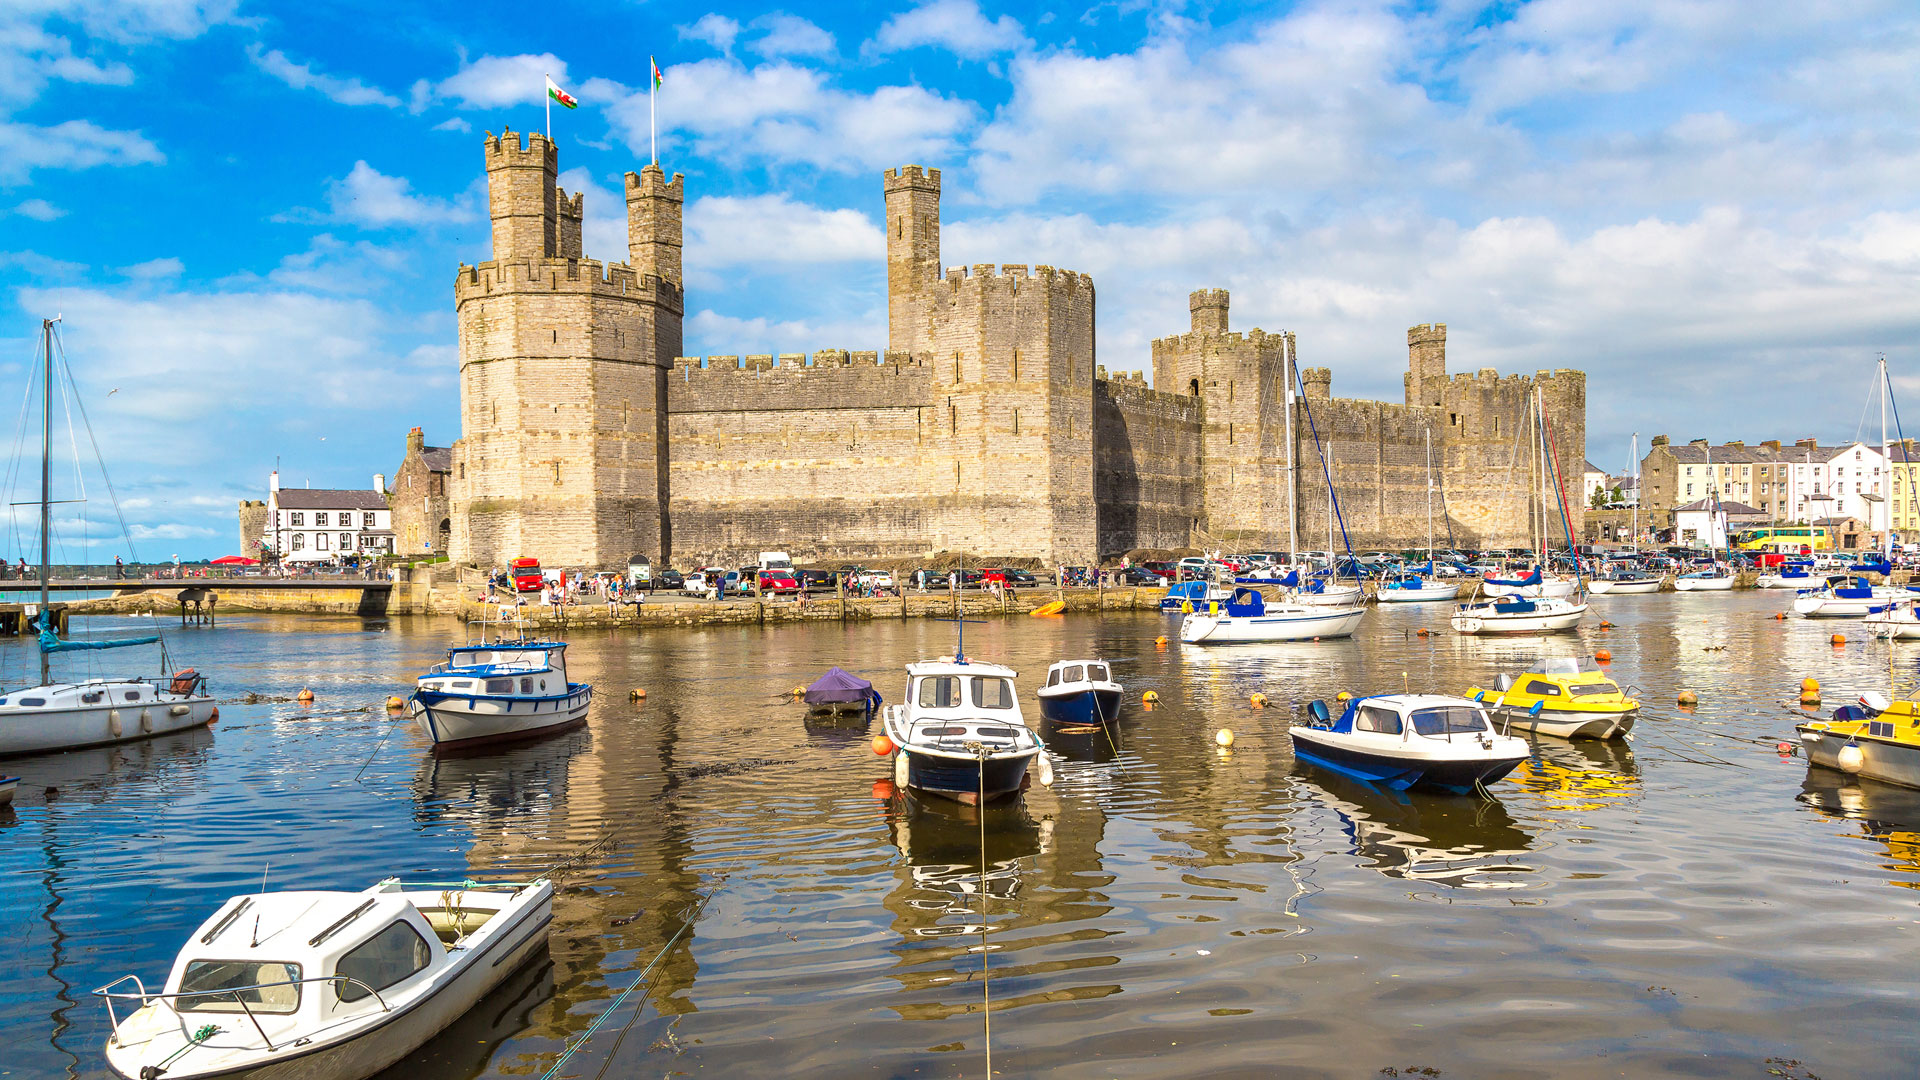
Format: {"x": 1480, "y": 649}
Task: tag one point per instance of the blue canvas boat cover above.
{"x": 837, "y": 687}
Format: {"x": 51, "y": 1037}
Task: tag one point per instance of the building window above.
{"x": 320, "y": 518}
{"x": 366, "y": 520}
{"x": 319, "y": 541}
{"x": 346, "y": 541}
{"x": 299, "y": 540}
{"x": 299, "y": 519}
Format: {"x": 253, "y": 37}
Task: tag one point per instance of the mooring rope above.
{"x": 986, "y": 992}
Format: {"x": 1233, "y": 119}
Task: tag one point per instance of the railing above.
{"x": 107, "y": 993}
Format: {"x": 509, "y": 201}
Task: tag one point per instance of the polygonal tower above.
{"x": 562, "y": 375}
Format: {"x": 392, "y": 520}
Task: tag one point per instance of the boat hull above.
{"x": 1525, "y": 623}
{"x": 1081, "y": 707}
{"x": 1775, "y": 581}
{"x": 1199, "y": 629}
{"x": 1568, "y": 725}
{"x": 460, "y": 723}
{"x": 1602, "y": 587}
{"x": 1837, "y": 607}
{"x": 1557, "y": 588}
{"x": 375, "y": 1049}
{"x": 1400, "y": 773}
{"x": 1888, "y": 763}
{"x": 968, "y": 780}
{"x": 1711, "y": 584}
{"x": 1335, "y": 596}
{"x": 1448, "y": 591}
{"x": 57, "y": 730}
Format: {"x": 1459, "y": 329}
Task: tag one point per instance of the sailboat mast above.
{"x": 46, "y": 480}
{"x": 1293, "y": 480}
{"x": 1886, "y": 451}
{"x": 1634, "y": 453}
{"x": 1429, "y": 500}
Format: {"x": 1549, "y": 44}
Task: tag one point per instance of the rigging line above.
{"x": 67, "y": 393}
{"x": 986, "y": 993}
{"x": 106, "y": 477}
{"x": 16, "y": 462}
{"x": 1332, "y": 495}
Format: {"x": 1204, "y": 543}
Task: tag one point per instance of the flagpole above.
{"x": 546, "y": 95}
{"x": 653, "y": 120}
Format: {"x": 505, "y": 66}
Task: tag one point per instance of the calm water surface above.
{"x": 1690, "y": 904}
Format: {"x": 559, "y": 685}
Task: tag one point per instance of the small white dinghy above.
{"x": 324, "y": 985}
{"x": 1898, "y": 620}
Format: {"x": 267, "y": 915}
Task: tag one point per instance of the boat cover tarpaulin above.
{"x": 837, "y": 687}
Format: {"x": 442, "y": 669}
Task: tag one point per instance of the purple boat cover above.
{"x": 837, "y": 687}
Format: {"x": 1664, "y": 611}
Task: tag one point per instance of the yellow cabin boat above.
{"x": 1877, "y": 739}
{"x": 1575, "y": 699}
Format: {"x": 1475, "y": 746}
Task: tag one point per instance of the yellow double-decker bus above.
{"x": 1785, "y": 539}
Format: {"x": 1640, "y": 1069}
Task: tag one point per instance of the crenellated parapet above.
{"x": 986, "y": 276}
{"x": 831, "y": 379}
{"x": 575, "y": 276}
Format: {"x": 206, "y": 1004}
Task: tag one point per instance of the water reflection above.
{"x": 463, "y": 1049}
{"x": 1578, "y": 774}
{"x": 1886, "y": 814}
{"x": 1458, "y": 841}
{"x": 952, "y": 855}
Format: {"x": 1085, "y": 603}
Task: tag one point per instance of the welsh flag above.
{"x": 656, "y": 71}
{"x": 560, "y": 95}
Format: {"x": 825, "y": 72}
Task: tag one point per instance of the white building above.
{"x": 1850, "y": 481}
{"x": 322, "y": 524}
{"x": 1596, "y": 479}
{"x": 1704, "y": 523}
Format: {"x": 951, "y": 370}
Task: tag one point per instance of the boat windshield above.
{"x": 1593, "y": 689}
{"x": 1097, "y": 672}
{"x": 1448, "y": 720}
{"x": 939, "y": 692}
{"x": 1563, "y": 665}
{"x": 993, "y": 693}
{"x": 214, "y": 986}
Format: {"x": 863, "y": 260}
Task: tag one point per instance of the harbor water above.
{"x": 1691, "y": 903}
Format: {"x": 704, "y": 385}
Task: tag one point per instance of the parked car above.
{"x": 670, "y": 579}
{"x": 1140, "y": 575}
{"x": 815, "y": 580}
{"x": 1193, "y": 566}
{"x": 777, "y": 580}
{"x": 702, "y": 581}
{"x": 1164, "y": 569}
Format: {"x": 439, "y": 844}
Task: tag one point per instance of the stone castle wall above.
{"x": 1147, "y": 466}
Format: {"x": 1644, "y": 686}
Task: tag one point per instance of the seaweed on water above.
{"x": 727, "y": 768}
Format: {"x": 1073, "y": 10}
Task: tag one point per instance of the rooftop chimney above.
{"x": 380, "y": 483}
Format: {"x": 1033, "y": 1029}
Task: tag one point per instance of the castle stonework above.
{"x": 986, "y": 426}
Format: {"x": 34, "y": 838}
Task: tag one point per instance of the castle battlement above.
{"x": 912, "y": 177}
{"x": 824, "y": 360}
{"x": 561, "y": 276}
{"x": 837, "y": 379}
{"x": 509, "y": 149}
{"x": 1258, "y": 338}
{"x": 960, "y": 276}
{"x": 652, "y": 182}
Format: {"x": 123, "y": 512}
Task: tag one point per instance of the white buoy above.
{"x": 1224, "y": 737}
{"x": 1852, "y": 759}
{"x": 900, "y": 770}
{"x": 1046, "y": 771}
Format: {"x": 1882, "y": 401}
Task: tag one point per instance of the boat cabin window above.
{"x": 386, "y": 958}
{"x": 939, "y": 692}
{"x": 1053, "y": 677}
{"x": 460, "y": 684}
{"x": 93, "y": 697}
{"x": 218, "y": 980}
{"x": 499, "y": 686}
{"x": 1543, "y": 689}
{"x": 526, "y": 684}
{"x": 1454, "y": 720}
{"x": 996, "y": 693}
{"x": 132, "y": 695}
{"x": 1590, "y": 689}
{"x": 33, "y": 701}
{"x": 1383, "y": 721}
{"x": 1076, "y": 673}
{"x": 1097, "y": 672}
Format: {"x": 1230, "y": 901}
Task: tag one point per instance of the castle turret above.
{"x": 1209, "y": 310}
{"x": 1319, "y": 383}
{"x": 521, "y": 195}
{"x": 1426, "y": 363}
{"x": 654, "y": 206}
{"x": 913, "y": 253}
{"x": 571, "y": 212}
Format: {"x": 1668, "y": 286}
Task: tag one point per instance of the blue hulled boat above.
{"x": 1080, "y": 692}
{"x": 1401, "y": 741}
{"x": 959, "y": 733}
{"x": 1197, "y": 593}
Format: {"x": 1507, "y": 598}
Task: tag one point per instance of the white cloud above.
{"x": 454, "y": 123}
{"x": 73, "y": 144}
{"x": 709, "y": 333}
{"x": 169, "y": 531}
{"x": 331, "y": 265}
{"x": 33, "y": 53}
{"x": 42, "y": 267}
{"x": 372, "y": 199}
{"x": 39, "y": 210}
{"x": 343, "y": 91}
{"x": 713, "y": 28}
{"x": 785, "y": 112}
{"x": 954, "y": 25}
{"x": 763, "y": 230}
{"x": 603, "y": 234}
{"x": 494, "y": 81}
{"x": 790, "y": 35}
{"x": 160, "y": 269}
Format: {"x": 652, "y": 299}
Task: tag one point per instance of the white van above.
{"x": 776, "y": 560}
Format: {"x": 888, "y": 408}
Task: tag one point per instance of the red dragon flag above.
{"x": 554, "y": 92}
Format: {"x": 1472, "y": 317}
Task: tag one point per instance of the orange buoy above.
{"x": 1258, "y": 701}
{"x": 882, "y": 746}
{"x": 1839, "y": 639}
{"x": 1605, "y": 625}
{"x": 1810, "y": 685}
{"x": 1779, "y": 614}
{"x": 636, "y": 694}
{"x": 1688, "y": 697}
{"x": 1603, "y": 655}
{"x": 1161, "y": 640}
{"x": 305, "y": 695}
{"x": 1149, "y": 698}
{"x": 1422, "y": 632}
{"x": 395, "y": 704}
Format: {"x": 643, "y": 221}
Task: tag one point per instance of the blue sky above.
{"x": 249, "y": 215}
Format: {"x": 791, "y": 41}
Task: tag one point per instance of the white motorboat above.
{"x": 324, "y": 985}
{"x": 1247, "y": 617}
{"x": 1415, "y": 588}
{"x": 959, "y": 733}
{"x": 1533, "y": 583}
{"x": 1898, "y": 620}
{"x": 1844, "y": 597}
{"x": 1791, "y": 575}
{"x": 58, "y": 716}
{"x": 1623, "y": 581}
{"x": 1714, "y": 580}
{"x": 1518, "y": 615}
{"x": 1570, "y": 698}
{"x": 497, "y": 692}
{"x": 1406, "y": 740}
{"x": 1080, "y": 692}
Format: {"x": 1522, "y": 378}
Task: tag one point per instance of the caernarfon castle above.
{"x": 988, "y": 426}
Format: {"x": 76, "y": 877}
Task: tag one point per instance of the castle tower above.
{"x": 1208, "y": 308}
{"x": 562, "y": 377}
{"x": 521, "y": 196}
{"x": 913, "y": 253}
{"x": 654, "y": 206}
{"x": 1427, "y": 364}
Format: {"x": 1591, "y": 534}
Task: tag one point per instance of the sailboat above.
{"x": 1541, "y": 611}
{"x": 1421, "y": 584}
{"x": 55, "y": 716}
{"x": 1716, "y": 577}
{"x": 1632, "y": 578}
{"x": 1843, "y": 596}
{"x": 1538, "y": 581}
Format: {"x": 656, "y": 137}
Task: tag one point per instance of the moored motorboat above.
{"x": 1790, "y": 575}
{"x": 840, "y": 693}
{"x": 7, "y": 786}
{"x": 1414, "y": 588}
{"x": 1247, "y": 617}
{"x": 1877, "y": 739}
{"x": 1570, "y": 698}
{"x": 324, "y": 985}
{"x": 1517, "y": 615}
{"x": 1714, "y": 580}
{"x": 1080, "y": 692}
{"x": 1844, "y": 597}
{"x": 497, "y": 692}
{"x": 1323, "y": 592}
{"x": 1898, "y": 620}
{"x": 1623, "y": 581}
{"x": 1409, "y": 740}
{"x": 958, "y": 732}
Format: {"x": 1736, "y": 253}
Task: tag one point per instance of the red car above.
{"x": 778, "y": 581}
{"x": 526, "y": 575}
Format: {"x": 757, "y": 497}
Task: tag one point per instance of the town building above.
{"x": 1712, "y": 524}
{"x": 323, "y": 524}
{"x": 985, "y": 427}
{"x": 1796, "y": 484}
{"x": 422, "y": 519}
